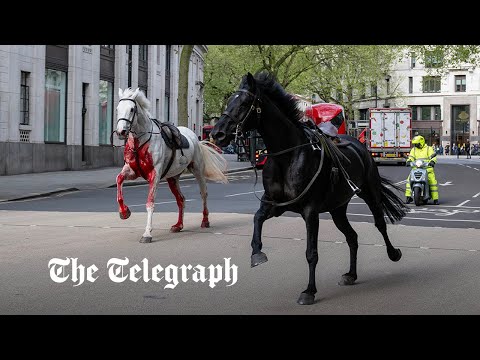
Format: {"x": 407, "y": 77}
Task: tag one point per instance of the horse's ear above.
{"x": 250, "y": 81}
{"x": 120, "y": 93}
{"x": 135, "y": 94}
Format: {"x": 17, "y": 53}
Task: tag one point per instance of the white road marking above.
{"x": 338, "y": 242}
{"x": 217, "y": 234}
{"x": 472, "y": 250}
{"x": 245, "y": 193}
{"x": 430, "y": 206}
{"x": 468, "y": 166}
{"x": 377, "y": 244}
{"x": 424, "y": 247}
{"x": 476, "y": 195}
{"x": 297, "y": 239}
{"x": 463, "y": 203}
{"x": 428, "y": 219}
{"x": 447, "y": 183}
{"x": 163, "y": 202}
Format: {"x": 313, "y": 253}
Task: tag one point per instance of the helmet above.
{"x": 418, "y": 141}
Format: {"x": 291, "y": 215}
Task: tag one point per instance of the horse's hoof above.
{"x": 306, "y": 299}
{"x": 347, "y": 279}
{"x": 205, "y": 224}
{"x": 126, "y": 215}
{"x": 146, "y": 239}
{"x": 395, "y": 255}
{"x": 176, "y": 228}
{"x": 258, "y": 259}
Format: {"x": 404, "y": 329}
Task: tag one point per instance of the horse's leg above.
{"x": 174, "y": 185}
{"x": 339, "y": 216}
{"x": 372, "y": 199}
{"x": 126, "y": 174}
{"x": 198, "y": 173}
{"x": 262, "y": 214}
{"x": 153, "y": 180}
{"x": 310, "y": 216}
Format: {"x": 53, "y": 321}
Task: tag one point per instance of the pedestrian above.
{"x": 458, "y": 151}
{"x": 441, "y": 149}
{"x": 467, "y": 149}
{"x": 447, "y": 149}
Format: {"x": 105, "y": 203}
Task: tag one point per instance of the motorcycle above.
{"x": 419, "y": 182}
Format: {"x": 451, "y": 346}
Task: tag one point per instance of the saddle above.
{"x": 172, "y": 136}
{"x": 332, "y": 146}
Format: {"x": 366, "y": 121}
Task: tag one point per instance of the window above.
{"x": 107, "y": 50}
{"x": 433, "y": 59}
{"x": 105, "y": 106}
{"x": 426, "y": 112}
{"x": 410, "y": 85}
{"x": 414, "y": 112}
{"x": 24, "y": 98}
{"x": 413, "y": 60}
{"x": 143, "y": 68}
{"x": 460, "y": 83}
{"x": 373, "y": 90}
{"x": 363, "y": 114}
{"x": 436, "y": 111}
{"x": 55, "y": 105}
{"x": 431, "y": 84}
{"x": 143, "y": 53}
{"x": 168, "y": 55}
{"x": 166, "y": 113}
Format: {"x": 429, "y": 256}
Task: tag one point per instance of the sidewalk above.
{"x": 25, "y": 186}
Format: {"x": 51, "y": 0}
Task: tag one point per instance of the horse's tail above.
{"x": 215, "y": 164}
{"x": 392, "y": 205}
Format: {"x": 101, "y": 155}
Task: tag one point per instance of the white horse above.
{"x": 147, "y": 155}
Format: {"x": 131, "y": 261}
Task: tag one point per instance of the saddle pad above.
{"x": 173, "y": 138}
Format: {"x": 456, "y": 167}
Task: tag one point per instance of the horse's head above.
{"x": 127, "y": 111}
{"x": 240, "y": 108}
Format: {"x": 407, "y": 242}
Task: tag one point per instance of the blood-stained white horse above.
{"x": 147, "y": 155}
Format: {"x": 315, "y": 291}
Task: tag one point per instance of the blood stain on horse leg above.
{"x": 175, "y": 189}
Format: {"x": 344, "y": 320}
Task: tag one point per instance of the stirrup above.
{"x": 354, "y": 187}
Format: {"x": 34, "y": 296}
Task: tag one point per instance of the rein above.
{"x": 137, "y": 150}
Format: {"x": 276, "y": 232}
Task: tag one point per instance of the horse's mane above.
{"x": 141, "y": 99}
{"x": 286, "y": 102}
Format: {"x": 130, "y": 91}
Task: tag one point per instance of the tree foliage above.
{"x": 301, "y": 69}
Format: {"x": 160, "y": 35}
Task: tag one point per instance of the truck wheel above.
{"x": 417, "y": 196}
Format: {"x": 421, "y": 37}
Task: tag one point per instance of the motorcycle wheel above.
{"x": 417, "y": 196}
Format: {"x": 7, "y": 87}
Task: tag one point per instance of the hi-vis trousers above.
{"x": 432, "y": 182}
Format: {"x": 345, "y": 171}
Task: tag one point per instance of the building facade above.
{"x": 57, "y": 102}
{"x": 445, "y": 109}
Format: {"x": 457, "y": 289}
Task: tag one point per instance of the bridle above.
{"x": 239, "y": 135}
{"x": 255, "y": 106}
{"x": 130, "y": 122}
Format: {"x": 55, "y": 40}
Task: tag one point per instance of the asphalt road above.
{"x": 459, "y": 189}
{"x": 438, "y": 273}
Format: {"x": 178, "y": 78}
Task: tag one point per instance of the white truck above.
{"x": 389, "y": 136}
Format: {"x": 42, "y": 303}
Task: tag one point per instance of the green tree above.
{"x": 344, "y": 77}
{"x": 446, "y": 56}
{"x": 225, "y": 65}
{"x": 335, "y": 72}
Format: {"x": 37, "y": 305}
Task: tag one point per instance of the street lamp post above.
{"x": 387, "y": 79}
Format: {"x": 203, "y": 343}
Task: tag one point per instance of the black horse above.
{"x": 302, "y": 172}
